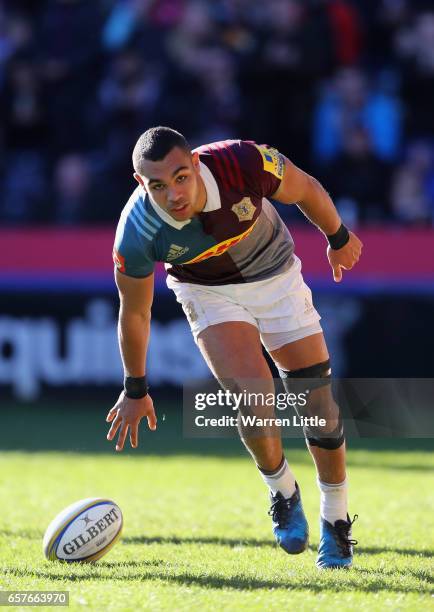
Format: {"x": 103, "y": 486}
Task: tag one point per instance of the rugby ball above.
{"x": 84, "y": 531}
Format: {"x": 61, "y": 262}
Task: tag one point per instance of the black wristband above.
{"x": 135, "y": 388}
{"x": 339, "y": 239}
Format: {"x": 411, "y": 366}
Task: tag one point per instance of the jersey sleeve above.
{"x": 261, "y": 168}
{"x": 132, "y": 255}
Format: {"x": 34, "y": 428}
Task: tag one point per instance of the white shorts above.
{"x": 280, "y": 307}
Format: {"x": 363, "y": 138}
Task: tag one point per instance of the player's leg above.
{"x": 229, "y": 341}
{"x": 300, "y": 355}
{"x": 233, "y": 353}
{"x": 308, "y": 358}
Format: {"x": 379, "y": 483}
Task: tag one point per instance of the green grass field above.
{"x": 197, "y": 535}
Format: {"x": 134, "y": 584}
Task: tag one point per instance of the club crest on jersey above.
{"x": 119, "y": 261}
{"x": 244, "y": 209}
{"x": 272, "y": 160}
{"x": 176, "y": 251}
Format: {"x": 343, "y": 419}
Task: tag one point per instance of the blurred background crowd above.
{"x": 345, "y": 88}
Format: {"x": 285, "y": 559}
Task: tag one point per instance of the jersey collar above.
{"x": 213, "y": 201}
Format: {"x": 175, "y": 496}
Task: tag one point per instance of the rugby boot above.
{"x": 335, "y": 549}
{"x": 290, "y": 526}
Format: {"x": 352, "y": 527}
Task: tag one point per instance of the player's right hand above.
{"x": 126, "y": 415}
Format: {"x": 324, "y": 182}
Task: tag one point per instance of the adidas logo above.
{"x": 307, "y": 306}
{"x": 176, "y": 251}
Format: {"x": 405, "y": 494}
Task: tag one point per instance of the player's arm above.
{"x": 313, "y": 200}
{"x": 136, "y": 295}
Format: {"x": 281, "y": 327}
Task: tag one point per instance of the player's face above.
{"x": 174, "y": 183}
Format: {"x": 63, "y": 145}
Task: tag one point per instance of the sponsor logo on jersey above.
{"x": 272, "y": 160}
{"x": 119, "y": 261}
{"x": 244, "y": 209}
{"x": 176, "y": 251}
{"x": 222, "y": 247}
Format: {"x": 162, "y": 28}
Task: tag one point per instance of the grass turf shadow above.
{"x": 34, "y": 534}
{"x": 349, "y": 579}
{"x": 235, "y": 542}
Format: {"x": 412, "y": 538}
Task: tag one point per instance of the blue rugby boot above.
{"x": 290, "y": 526}
{"x": 335, "y": 549}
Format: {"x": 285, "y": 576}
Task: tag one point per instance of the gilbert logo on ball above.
{"x": 84, "y": 531}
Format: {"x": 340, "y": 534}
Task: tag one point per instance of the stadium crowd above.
{"x": 345, "y": 88}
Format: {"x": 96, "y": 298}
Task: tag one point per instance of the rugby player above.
{"x": 231, "y": 263}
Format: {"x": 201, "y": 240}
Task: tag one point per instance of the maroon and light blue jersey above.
{"x": 237, "y": 238}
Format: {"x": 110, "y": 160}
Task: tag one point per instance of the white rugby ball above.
{"x": 84, "y": 531}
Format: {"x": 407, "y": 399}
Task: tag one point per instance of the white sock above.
{"x": 282, "y": 480}
{"x": 334, "y": 501}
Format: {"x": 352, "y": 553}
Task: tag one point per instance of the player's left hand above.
{"x": 344, "y": 258}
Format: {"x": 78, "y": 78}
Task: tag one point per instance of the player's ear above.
{"x": 139, "y": 179}
{"x": 195, "y": 160}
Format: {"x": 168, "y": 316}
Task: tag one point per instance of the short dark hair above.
{"x": 155, "y": 144}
